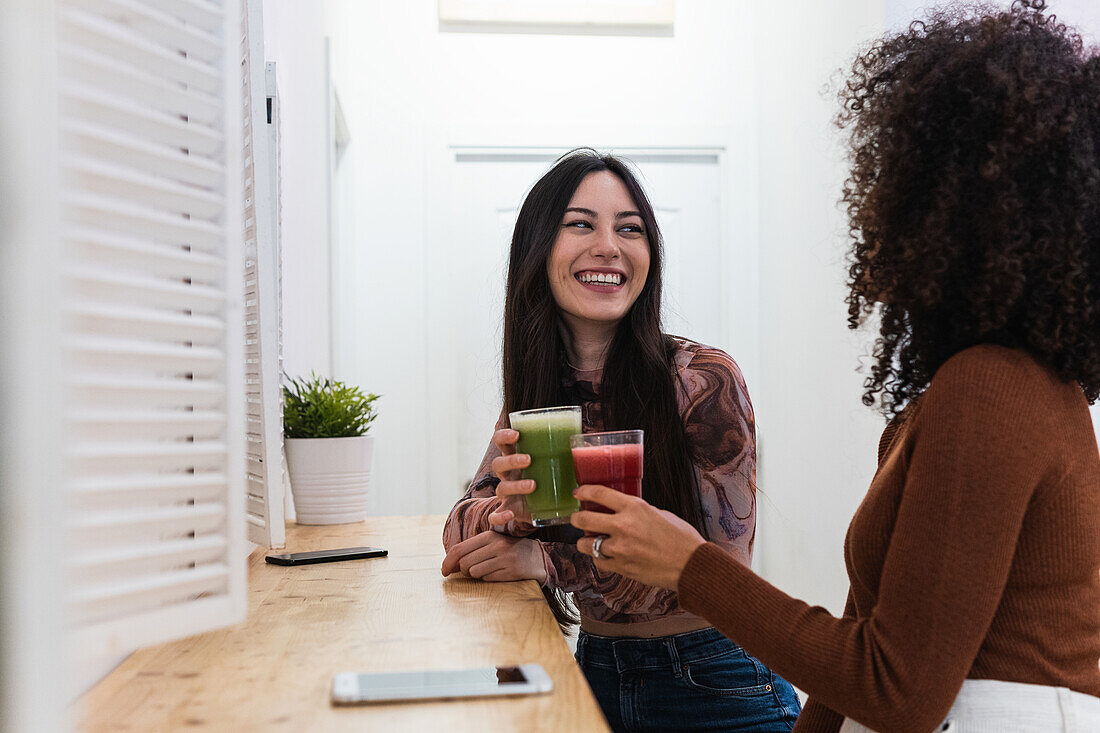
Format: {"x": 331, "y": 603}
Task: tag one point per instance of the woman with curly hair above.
{"x": 974, "y": 559}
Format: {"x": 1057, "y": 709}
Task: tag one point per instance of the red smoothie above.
{"x": 616, "y": 466}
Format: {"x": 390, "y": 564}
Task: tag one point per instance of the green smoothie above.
{"x": 544, "y": 435}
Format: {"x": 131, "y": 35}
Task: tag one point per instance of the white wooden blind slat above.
{"x": 172, "y": 163}
{"x": 105, "y": 354}
{"x": 100, "y": 282}
{"x": 109, "y": 37}
{"x": 163, "y": 28}
{"x": 142, "y": 557}
{"x": 135, "y": 424}
{"x": 106, "y": 457}
{"x": 86, "y": 66}
{"x": 256, "y": 506}
{"x": 125, "y": 218}
{"x": 169, "y": 519}
{"x": 136, "y": 487}
{"x": 164, "y": 456}
{"x": 154, "y": 591}
{"x": 154, "y": 324}
{"x": 140, "y": 121}
{"x": 126, "y": 253}
{"x": 200, "y": 13}
{"x": 153, "y": 191}
{"x": 155, "y": 294}
{"x": 144, "y": 393}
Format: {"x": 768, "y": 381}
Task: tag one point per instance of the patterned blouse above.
{"x": 721, "y": 430}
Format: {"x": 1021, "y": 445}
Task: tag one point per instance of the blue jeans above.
{"x": 698, "y": 681}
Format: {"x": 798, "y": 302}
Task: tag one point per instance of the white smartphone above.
{"x": 350, "y": 688}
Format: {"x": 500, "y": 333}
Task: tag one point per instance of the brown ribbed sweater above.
{"x": 975, "y": 554}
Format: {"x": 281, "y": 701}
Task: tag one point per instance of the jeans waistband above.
{"x": 628, "y": 653}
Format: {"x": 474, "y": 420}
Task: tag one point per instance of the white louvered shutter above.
{"x": 265, "y": 493}
{"x": 149, "y": 118}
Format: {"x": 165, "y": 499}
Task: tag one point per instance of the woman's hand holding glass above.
{"x": 639, "y": 541}
{"x": 512, "y": 489}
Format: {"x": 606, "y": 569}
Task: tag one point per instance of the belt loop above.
{"x": 582, "y": 642}
{"x": 674, "y": 658}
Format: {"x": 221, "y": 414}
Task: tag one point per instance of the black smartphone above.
{"x": 342, "y": 553}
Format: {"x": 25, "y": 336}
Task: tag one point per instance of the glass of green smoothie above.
{"x": 544, "y": 435}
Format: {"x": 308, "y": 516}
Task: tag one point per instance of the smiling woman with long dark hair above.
{"x": 637, "y": 387}
{"x": 974, "y": 559}
{"x": 582, "y": 326}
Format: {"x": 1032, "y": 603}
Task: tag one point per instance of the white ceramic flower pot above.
{"x": 328, "y": 478}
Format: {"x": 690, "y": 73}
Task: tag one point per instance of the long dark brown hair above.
{"x": 637, "y": 389}
{"x": 974, "y": 196}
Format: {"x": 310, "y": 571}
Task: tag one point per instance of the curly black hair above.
{"x": 974, "y": 195}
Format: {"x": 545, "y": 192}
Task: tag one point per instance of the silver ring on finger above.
{"x": 596, "y": 546}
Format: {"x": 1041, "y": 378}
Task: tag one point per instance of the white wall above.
{"x": 408, "y": 90}
{"x": 36, "y": 682}
{"x": 818, "y": 442}
{"x": 759, "y": 73}
{"x": 294, "y": 39}
{"x": 753, "y": 71}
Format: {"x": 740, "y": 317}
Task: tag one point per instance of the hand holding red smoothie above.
{"x": 612, "y": 459}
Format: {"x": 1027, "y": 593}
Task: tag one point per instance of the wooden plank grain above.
{"x": 305, "y": 624}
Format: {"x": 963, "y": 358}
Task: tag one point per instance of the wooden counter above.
{"x": 305, "y": 624}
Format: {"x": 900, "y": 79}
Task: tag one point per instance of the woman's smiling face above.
{"x": 600, "y": 259}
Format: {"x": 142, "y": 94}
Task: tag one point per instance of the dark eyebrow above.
{"x": 590, "y": 212}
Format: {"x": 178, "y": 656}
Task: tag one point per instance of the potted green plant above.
{"x": 328, "y": 451}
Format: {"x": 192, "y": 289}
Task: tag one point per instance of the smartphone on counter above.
{"x": 343, "y": 553}
{"x": 354, "y": 689}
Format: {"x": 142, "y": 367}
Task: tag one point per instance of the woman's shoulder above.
{"x": 996, "y": 385}
{"x": 703, "y": 369}
{"x": 693, "y": 356}
{"x": 992, "y": 368}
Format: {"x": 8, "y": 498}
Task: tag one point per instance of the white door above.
{"x": 466, "y": 276}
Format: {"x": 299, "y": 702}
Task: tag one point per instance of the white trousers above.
{"x": 992, "y": 706}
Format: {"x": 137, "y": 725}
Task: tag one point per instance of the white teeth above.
{"x": 608, "y": 278}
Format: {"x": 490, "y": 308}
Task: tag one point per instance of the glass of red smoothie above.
{"x": 610, "y": 459}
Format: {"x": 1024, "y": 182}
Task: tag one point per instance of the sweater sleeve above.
{"x": 815, "y": 716}
{"x": 975, "y": 460}
{"x": 470, "y": 515}
{"x": 567, "y": 568}
{"x": 721, "y": 428}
